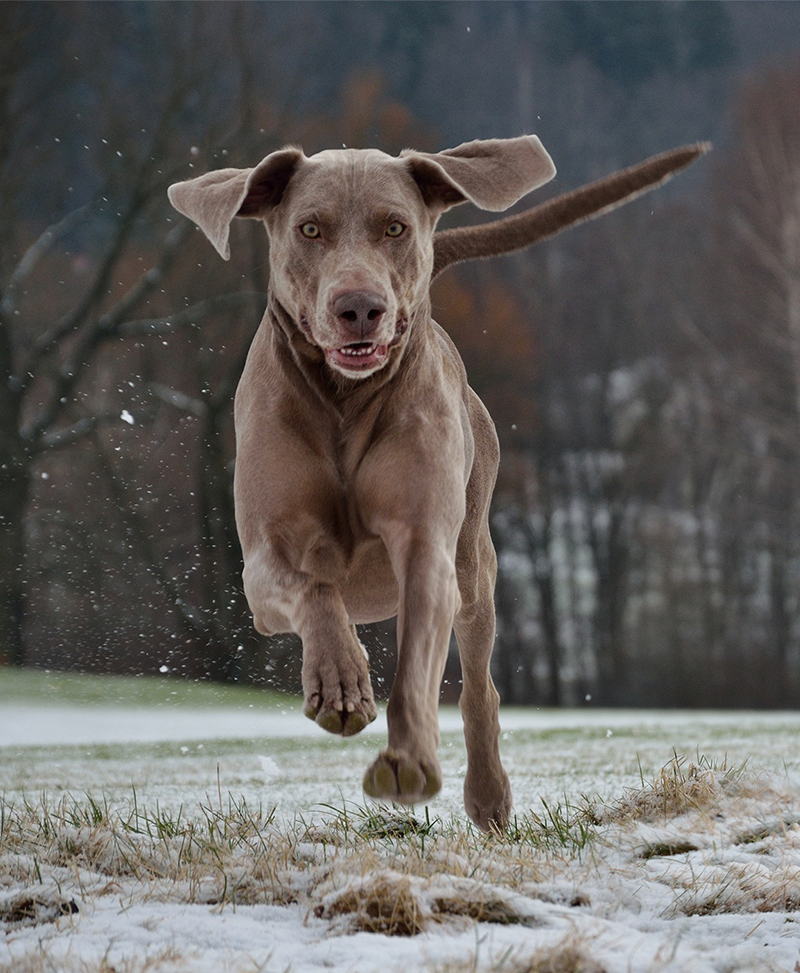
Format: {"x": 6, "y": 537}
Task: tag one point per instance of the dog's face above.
{"x": 351, "y": 232}
{"x": 351, "y": 255}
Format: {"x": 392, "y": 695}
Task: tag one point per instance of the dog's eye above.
{"x": 395, "y": 228}
{"x": 310, "y": 230}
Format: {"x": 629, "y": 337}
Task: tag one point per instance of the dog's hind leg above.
{"x": 487, "y": 792}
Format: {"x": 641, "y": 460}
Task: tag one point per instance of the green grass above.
{"x": 78, "y": 689}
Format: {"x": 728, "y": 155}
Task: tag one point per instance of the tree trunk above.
{"x": 14, "y": 488}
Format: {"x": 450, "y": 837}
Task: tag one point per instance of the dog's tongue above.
{"x": 358, "y": 356}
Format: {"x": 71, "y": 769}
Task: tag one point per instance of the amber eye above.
{"x": 395, "y": 228}
{"x": 310, "y": 230}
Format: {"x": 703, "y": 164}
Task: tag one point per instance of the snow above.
{"x": 730, "y": 902}
{"x": 43, "y": 725}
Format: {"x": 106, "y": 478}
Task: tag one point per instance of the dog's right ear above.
{"x": 214, "y": 199}
{"x": 492, "y": 173}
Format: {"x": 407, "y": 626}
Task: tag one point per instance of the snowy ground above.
{"x": 635, "y": 862}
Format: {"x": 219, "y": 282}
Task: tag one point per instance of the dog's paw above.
{"x": 396, "y": 776}
{"x": 339, "y": 716}
{"x": 339, "y": 699}
{"x": 487, "y": 798}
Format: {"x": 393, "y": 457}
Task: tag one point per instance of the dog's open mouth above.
{"x": 358, "y": 356}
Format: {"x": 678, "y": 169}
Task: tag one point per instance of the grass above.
{"x": 679, "y": 787}
{"x": 41, "y": 962}
{"x": 207, "y": 824}
{"x": 227, "y": 852}
{"x": 391, "y": 872}
{"x": 34, "y": 686}
{"x": 570, "y": 955}
{"x": 557, "y": 827}
{"x": 167, "y": 958}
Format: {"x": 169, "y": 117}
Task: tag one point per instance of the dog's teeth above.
{"x": 357, "y": 352}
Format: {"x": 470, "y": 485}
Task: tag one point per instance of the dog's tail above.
{"x": 587, "y": 202}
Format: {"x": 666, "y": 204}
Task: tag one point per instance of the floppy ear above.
{"x": 492, "y": 174}
{"x": 214, "y": 199}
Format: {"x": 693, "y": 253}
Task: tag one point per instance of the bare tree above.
{"x": 49, "y": 350}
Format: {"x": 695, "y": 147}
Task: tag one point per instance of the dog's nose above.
{"x": 359, "y": 311}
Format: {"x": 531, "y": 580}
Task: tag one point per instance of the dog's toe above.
{"x": 398, "y": 777}
{"x": 380, "y": 780}
{"x": 329, "y": 719}
{"x": 344, "y": 720}
{"x": 338, "y": 692}
{"x": 487, "y": 799}
{"x": 312, "y": 705}
{"x": 355, "y": 721}
{"x": 344, "y": 723}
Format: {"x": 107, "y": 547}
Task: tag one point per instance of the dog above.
{"x": 365, "y": 463}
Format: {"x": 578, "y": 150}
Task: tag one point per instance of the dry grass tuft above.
{"x": 34, "y": 906}
{"x": 675, "y": 790}
{"x": 402, "y": 905}
{"x": 564, "y": 958}
{"x": 51, "y": 960}
{"x": 480, "y": 907}
{"x": 740, "y": 889}
{"x": 570, "y": 955}
{"x": 768, "y": 829}
{"x": 665, "y": 849}
{"x": 384, "y": 905}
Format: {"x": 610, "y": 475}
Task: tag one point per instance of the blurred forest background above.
{"x": 643, "y": 370}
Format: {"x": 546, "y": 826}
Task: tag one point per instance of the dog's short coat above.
{"x": 365, "y": 463}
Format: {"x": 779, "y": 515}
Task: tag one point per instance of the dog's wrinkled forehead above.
{"x": 353, "y": 159}
{"x": 349, "y": 181}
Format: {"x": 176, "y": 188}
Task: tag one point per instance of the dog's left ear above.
{"x": 215, "y": 198}
{"x": 491, "y": 174}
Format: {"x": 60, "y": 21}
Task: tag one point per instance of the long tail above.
{"x": 587, "y": 202}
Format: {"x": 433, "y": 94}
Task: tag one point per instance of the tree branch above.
{"x": 105, "y": 327}
{"x": 34, "y": 254}
{"x": 198, "y": 624}
{"x": 181, "y": 401}
{"x": 154, "y": 327}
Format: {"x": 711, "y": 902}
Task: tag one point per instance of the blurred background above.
{"x": 643, "y": 371}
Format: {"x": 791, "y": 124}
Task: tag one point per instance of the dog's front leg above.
{"x": 408, "y": 770}
{"x": 336, "y": 683}
{"x": 411, "y": 493}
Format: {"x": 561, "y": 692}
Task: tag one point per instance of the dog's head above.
{"x": 351, "y": 231}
